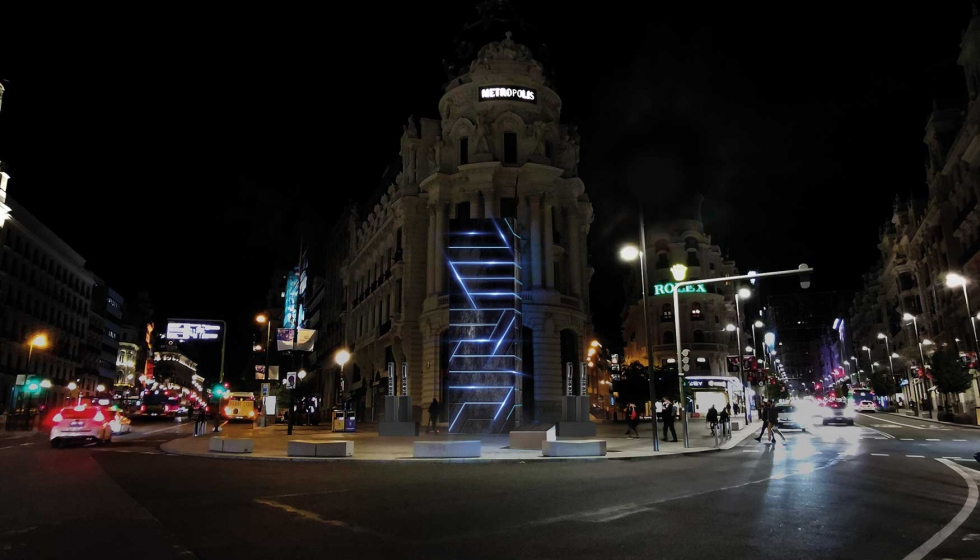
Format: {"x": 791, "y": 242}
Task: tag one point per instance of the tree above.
{"x": 948, "y": 372}
{"x": 882, "y": 382}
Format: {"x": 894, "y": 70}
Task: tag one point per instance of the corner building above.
{"x": 498, "y": 151}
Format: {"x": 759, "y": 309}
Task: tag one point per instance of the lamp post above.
{"x": 756, "y": 325}
{"x": 630, "y": 253}
{"x": 741, "y": 293}
{"x": 954, "y": 280}
{"x": 39, "y": 340}
{"x": 870, "y": 361}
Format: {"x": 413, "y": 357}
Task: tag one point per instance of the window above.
{"x": 508, "y": 207}
{"x": 698, "y": 336}
{"x": 463, "y": 211}
{"x": 667, "y": 313}
{"x": 398, "y": 296}
{"x": 696, "y": 311}
{"x": 510, "y": 147}
{"x": 464, "y": 150}
{"x": 549, "y": 150}
{"x": 668, "y": 337}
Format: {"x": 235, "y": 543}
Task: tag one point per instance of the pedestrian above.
{"x": 764, "y": 416}
{"x": 774, "y": 424}
{"x": 736, "y": 409}
{"x": 632, "y": 420}
{"x": 712, "y": 418}
{"x": 668, "y": 418}
{"x": 725, "y": 418}
{"x": 434, "y": 408}
{"x": 201, "y": 421}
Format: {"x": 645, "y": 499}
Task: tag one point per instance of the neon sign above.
{"x": 507, "y": 93}
{"x": 668, "y": 288}
{"x": 192, "y": 331}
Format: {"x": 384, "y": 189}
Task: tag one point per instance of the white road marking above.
{"x": 932, "y": 439}
{"x": 314, "y": 517}
{"x": 916, "y": 456}
{"x": 900, "y": 424}
{"x": 954, "y": 524}
{"x": 26, "y": 444}
{"x": 907, "y": 439}
{"x": 886, "y": 436}
{"x": 751, "y": 450}
{"x": 959, "y": 440}
{"x": 8, "y": 447}
{"x": 141, "y": 434}
{"x": 879, "y": 454}
{"x": 955, "y": 458}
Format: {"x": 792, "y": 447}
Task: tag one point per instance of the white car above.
{"x": 866, "y": 406}
{"x": 82, "y": 423}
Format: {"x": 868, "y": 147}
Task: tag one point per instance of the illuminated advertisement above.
{"x": 484, "y": 392}
{"x": 192, "y": 331}
{"x": 508, "y": 93}
{"x": 668, "y": 288}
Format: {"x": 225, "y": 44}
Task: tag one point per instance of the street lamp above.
{"x": 756, "y": 325}
{"x": 301, "y": 374}
{"x": 630, "y": 253}
{"x": 37, "y": 341}
{"x": 915, "y": 327}
{"x": 341, "y": 358}
{"x": 954, "y": 280}
{"x": 868, "y": 350}
{"x": 261, "y": 319}
{"x": 741, "y": 293}
{"x": 730, "y": 327}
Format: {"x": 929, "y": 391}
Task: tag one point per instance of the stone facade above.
{"x": 492, "y": 154}
{"x": 704, "y": 316}
{"x": 927, "y": 239}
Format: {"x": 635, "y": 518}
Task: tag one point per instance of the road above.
{"x": 876, "y": 490}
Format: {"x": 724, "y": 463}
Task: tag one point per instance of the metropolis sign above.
{"x": 192, "y": 331}
{"x": 668, "y": 288}
{"x": 508, "y": 93}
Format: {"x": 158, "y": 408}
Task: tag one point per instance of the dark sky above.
{"x": 177, "y": 152}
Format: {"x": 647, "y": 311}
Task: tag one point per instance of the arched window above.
{"x": 696, "y": 311}
{"x": 698, "y": 336}
{"x": 668, "y": 337}
{"x": 667, "y": 313}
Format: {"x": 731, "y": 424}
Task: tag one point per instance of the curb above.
{"x": 406, "y": 460}
{"x": 968, "y": 426}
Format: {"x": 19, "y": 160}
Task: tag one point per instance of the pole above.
{"x": 646, "y": 334}
{"x": 677, "y": 320}
{"x": 292, "y": 389}
{"x": 268, "y": 340}
{"x": 976, "y": 342}
{"x": 738, "y": 342}
{"x": 680, "y": 371}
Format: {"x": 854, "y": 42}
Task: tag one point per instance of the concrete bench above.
{"x": 532, "y": 437}
{"x": 445, "y": 449}
{"x": 576, "y": 448}
{"x": 230, "y": 445}
{"x": 306, "y": 448}
{"x": 737, "y": 425}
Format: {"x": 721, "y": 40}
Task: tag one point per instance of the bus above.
{"x": 159, "y": 403}
{"x": 239, "y": 406}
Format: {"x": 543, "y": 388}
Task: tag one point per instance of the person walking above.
{"x": 668, "y": 419}
{"x": 736, "y": 409}
{"x": 200, "y": 422}
{"x": 725, "y": 417}
{"x": 712, "y": 418}
{"x": 774, "y": 423}
{"x": 434, "y": 408}
{"x": 632, "y": 420}
{"x": 764, "y": 416}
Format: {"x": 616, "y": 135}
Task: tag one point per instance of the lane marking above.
{"x": 751, "y": 450}
{"x": 325, "y": 492}
{"x": 932, "y": 439}
{"x": 314, "y": 517}
{"x": 879, "y": 454}
{"x": 916, "y": 456}
{"x": 955, "y": 458}
{"x": 907, "y": 439}
{"x": 898, "y": 423}
{"x": 886, "y": 435}
{"x": 954, "y": 524}
{"x": 26, "y": 444}
{"x": 143, "y": 434}
{"x": 8, "y": 447}
{"x": 959, "y": 440}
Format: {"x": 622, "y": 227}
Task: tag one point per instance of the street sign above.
{"x": 404, "y": 379}
{"x": 290, "y": 381}
{"x": 568, "y": 378}
{"x": 391, "y": 379}
{"x": 265, "y": 389}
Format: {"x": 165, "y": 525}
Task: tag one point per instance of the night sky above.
{"x": 184, "y": 153}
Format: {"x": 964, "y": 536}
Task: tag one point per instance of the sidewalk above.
{"x": 911, "y": 417}
{"x": 270, "y": 444}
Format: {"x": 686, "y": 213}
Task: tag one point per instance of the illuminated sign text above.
{"x": 668, "y": 288}
{"x": 192, "y": 331}
{"x": 508, "y": 93}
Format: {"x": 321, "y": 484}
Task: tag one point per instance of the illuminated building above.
{"x": 498, "y": 155}
{"x": 173, "y": 367}
{"x": 705, "y": 310}
{"x": 102, "y": 340}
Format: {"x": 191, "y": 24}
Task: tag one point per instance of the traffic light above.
{"x": 219, "y": 390}
{"x": 33, "y": 387}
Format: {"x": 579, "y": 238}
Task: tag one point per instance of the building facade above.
{"x": 44, "y": 289}
{"x": 704, "y": 314}
{"x": 102, "y": 340}
{"x": 498, "y": 151}
{"x": 926, "y": 240}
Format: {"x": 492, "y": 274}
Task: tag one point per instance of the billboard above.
{"x": 295, "y": 287}
{"x": 192, "y": 331}
{"x": 284, "y": 339}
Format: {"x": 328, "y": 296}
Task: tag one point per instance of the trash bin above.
{"x": 337, "y": 425}
{"x": 350, "y": 423}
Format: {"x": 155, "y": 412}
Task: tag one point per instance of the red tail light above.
{"x": 99, "y": 417}
{"x": 166, "y": 408}
{"x": 58, "y": 417}
{"x": 143, "y": 408}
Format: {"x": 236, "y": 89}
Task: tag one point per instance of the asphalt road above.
{"x": 877, "y": 490}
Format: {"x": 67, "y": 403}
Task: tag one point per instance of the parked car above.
{"x": 82, "y": 423}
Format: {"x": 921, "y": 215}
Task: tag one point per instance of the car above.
{"x": 789, "y": 417}
{"x": 838, "y": 412}
{"x": 866, "y": 406}
{"x": 84, "y": 423}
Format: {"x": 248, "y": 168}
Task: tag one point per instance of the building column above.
{"x": 475, "y": 210}
{"x": 535, "y": 202}
{"x": 574, "y": 251}
{"x": 547, "y": 374}
{"x": 490, "y": 204}
{"x": 430, "y": 258}
{"x": 440, "y": 249}
{"x": 549, "y": 245}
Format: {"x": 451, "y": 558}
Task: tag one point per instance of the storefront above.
{"x": 716, "y": 390}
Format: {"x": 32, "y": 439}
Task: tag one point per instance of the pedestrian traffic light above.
{"x": 33, "y": 386}
{"x": 219, "y": 390}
